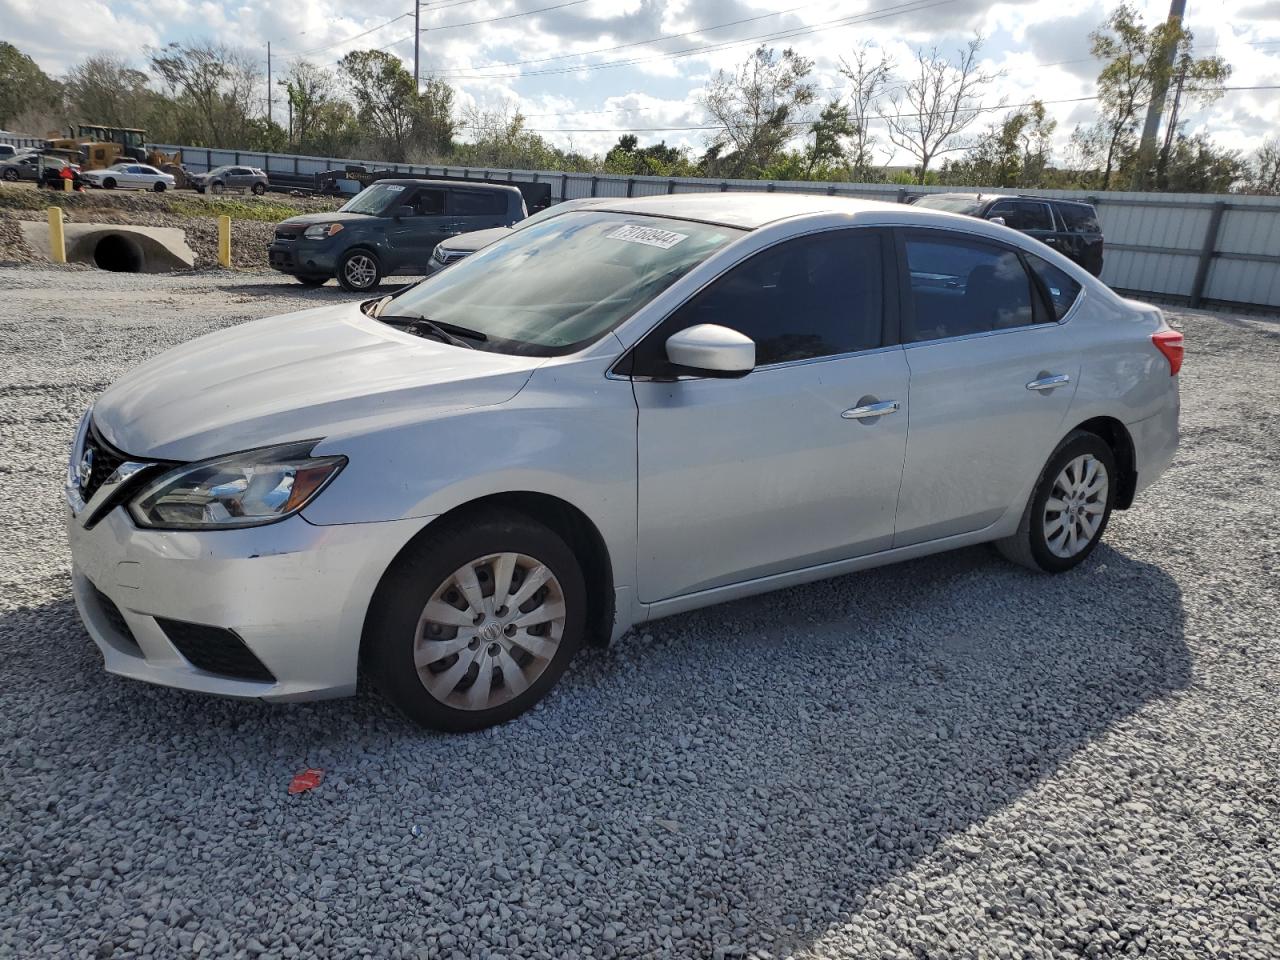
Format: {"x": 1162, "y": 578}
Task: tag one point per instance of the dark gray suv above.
{"x": 390, "y": 227}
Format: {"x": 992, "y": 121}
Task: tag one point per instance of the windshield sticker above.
{"x": 649, "y": 236}
{"x": 391, "y": 187}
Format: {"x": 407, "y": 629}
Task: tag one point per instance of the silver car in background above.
{"x": 623, "y": 411}
{"x": 230, "y": 177}
{"x": 130, "y": 175}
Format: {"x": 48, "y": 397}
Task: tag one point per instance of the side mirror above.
{"x": 999, "y": 220}
{"x": 710, "y": 350}
{"x": 405, "y": 211}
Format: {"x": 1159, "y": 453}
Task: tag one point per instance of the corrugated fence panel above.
{"x": 1155, "y": 243}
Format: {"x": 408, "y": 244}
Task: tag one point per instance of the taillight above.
{"x": 1169, "y": 342}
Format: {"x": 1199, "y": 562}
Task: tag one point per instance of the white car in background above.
{"x": 130, "y": 176}
{"x": 621, "y": 412}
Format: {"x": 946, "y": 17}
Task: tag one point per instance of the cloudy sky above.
{"x": 583, "y": 70}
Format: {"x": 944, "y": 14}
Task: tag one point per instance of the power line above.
{"x": 357, "y": 36}
{"x": 509, "y": 16}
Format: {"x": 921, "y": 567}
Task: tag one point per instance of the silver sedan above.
{"x": 624, "y": 411}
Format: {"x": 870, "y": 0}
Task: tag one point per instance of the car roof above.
{"x": 987, "y": 197}
{"x": 740, "y": 209}
{"x": 447, "y": 184}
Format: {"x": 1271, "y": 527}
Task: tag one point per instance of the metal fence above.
{"x": 23, "y": 141}
{"x": 1199, "y": 249}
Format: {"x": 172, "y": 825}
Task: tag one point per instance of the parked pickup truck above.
{"x": 389, "y": 228}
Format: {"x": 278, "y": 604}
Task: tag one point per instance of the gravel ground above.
{"x": 947, "y": 758}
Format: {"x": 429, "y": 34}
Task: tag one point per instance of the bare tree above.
{"x": 213, "y": 92}
{"x": 868, "y": 75}
{"x": 758, "y": 109}
{"x": 1264, "y": 169}
{"x": 937, "y": 104}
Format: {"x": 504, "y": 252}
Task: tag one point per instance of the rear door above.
{"x": 993, "y": 374}
{"x": 413, "y": 238}
{"x": 1032, "y": 217}
{"x": 477, "y": 209}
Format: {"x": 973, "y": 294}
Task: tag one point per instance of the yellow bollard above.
{"x": 68, "y": 184}
{"x": 224, "y": 241}
{"x": 57, "y": 241}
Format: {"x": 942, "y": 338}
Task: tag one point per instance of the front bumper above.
{"x": 294, "y": 593}
{"x": 303, "y": 257}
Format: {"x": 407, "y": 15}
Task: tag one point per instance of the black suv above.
{"x": 1069, "y": 226}
{"x": 389, "y": 227}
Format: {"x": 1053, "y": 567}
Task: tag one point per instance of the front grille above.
{"x": 287, "y": 233}
{"x": 215, "y": 650}
{"x": 447, "y": 257}
{"x": 104, "y": 460}
{"x": 111, "y": 613}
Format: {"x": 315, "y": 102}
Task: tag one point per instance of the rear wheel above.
{"x": 359, "y": 270}
{"x": 11, "y": 174}
{"x": 474, "y": 624}
{"x": 1069, "y": 508}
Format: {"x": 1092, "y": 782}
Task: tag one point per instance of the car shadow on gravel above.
{"x": 748, "y": 775}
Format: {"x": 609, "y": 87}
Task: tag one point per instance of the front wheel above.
{"x": 359, "y": 271}
{"x": 109, "y": 183}
{"x": 1069, "y": 507}
{"x": 476, "y": 622}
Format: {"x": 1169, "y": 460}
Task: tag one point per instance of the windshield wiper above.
{"x": 448, "y": 332}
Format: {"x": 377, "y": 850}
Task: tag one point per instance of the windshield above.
{"x": 553, "y": 287}
{"x": 966, "y": 205}
{"x": 372, "y": 200}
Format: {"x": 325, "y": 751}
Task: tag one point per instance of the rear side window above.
{"x": 1079, "y": 218}
{"x": 816, "y": 296}
{"x": 478, "y": 203}
{"x": 1023, "y": 214}
{"x": 960, "y": 287}
{"x": 1060, "y": 290}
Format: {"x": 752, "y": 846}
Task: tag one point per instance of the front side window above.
{"x": 1023, "y": 214}
{"x": 816, "y": 296}
{"x": 960, "y": 287}
{"x": 1060, "y": 290}
{"x": 428, "y": 203}
{"x": 478, "y": 203}
{"x": 553, "y": 287}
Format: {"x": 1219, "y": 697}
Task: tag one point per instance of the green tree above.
{"x": 106, "y": 90}
{"x": 24, "y": 87}
{"x": 627, "y": 158}
{"x": 1263, "y": 172}
{"x": 1013, "y": 152}
{"x": 401, "y": 119}
{"x": 1196, "y": 165}
{"x": 1137, "y": 66}
{"x": 757, "y": 109}
{"x": 213, "y": 95}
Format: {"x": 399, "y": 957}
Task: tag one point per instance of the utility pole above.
{"x": 268, "y": 82}
{"x": 417, "y": 33}
{"x": 1159, "y": 90}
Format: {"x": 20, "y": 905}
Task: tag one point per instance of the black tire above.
{"x": 199, "y": 189}
{"x": 11, "y": 175}
{"x": 259, "y": 189}
{"x": 216, "y": 188}
{"x": 311, "y": 281}
{"x": 425, "y": 569}
{"x": 359, "y": 270}
{"x": 108, "y": 183}
{"x": 1030, "y": 546}
{"x": 159, "y": 186}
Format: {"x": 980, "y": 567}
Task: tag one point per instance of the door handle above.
{"x": 1048, "y": 383}
{"x": 869, "y": 410}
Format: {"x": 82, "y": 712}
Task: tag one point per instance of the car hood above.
{"x": 473, "y": 241}
{"x": 327, "y": 372}
{"x": 307, "y": 219}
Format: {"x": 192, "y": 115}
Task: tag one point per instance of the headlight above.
{"x": 321, "y": 230}
{"x": 241, "y": 490}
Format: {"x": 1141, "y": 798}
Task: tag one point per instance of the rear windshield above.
{"x": 553, "y": 287}
{"x": 965, "y": 205}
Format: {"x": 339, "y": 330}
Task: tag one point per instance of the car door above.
{"x": 1080, "y": 236}
{"x": 796, "y": 464}
{"x": 135, "y": 177}
{"x": 412, "y": 238}
{"x": 477, "y": 210}
{"x": 993, "y": 374}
